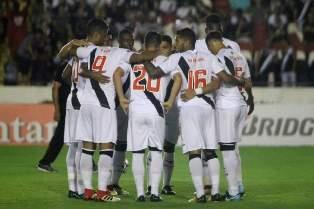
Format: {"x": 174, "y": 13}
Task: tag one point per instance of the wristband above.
{"x": 198, "y": 91}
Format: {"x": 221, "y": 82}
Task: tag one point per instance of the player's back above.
{"x": 146, "y": 92}
{"x": 104, "y": 60}
{"x": 197, "y": 72}
{"x": 235, "y": 64}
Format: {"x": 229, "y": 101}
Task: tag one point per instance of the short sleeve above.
{"x": 125, "y": 67}
{"x": 70, "y": 61}
{"x": 83, "y": 52}
{"x": 125, "y": 55}
{"x": 170, "y": 64}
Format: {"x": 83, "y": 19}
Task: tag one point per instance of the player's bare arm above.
{"x": 177, "y": 78}
{"x": 250, "y": 99}
{"x": 55, "y": 98}
{"x": 66, "y": 74}
{"x": 231, "y": 80}
{"x": 142, "y": 57}
{"x": 189, "y": 94}
{"x": 152, "y": 71}
{"x": 98, "y": 76}
{"x": 70, "y": 48}
{"x": 124, "y": 102}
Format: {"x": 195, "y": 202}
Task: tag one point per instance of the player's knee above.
{"x": 210, "y": 154}
{"x": 142, "y": 151}
{"x": 227, "y": 146}
{"x": 108, "y": 152}
{"x": 154, "y": 149}
{"x": 169, "y": 147}
{"x": 120, "y": 146}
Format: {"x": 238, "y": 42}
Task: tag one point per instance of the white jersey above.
{"x": 77, "y": 83}
{"x": 104, "y": 60}
{"x": 201, "y": 45}
{"x": 230, "y": 96}
{"x": 197, "y": 70}
{"x": 146, "y": 94}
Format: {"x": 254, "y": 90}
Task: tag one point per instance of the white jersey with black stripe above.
{"x": 104, "y": 60}
{"x": 234, "y": 63}
{"x": 197, "y": 70}
{"x": 141, "y": 84}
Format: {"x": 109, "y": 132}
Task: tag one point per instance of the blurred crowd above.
{"x": 276, "y": 36}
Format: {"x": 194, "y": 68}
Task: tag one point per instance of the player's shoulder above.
{"x": 159, "y": 59}
{"x": 232, "y": 44}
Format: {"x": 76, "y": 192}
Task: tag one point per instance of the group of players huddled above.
{"x": 122, "y": 100}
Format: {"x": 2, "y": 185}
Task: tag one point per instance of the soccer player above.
{"x": 126, "y": 41}
{"x": 97, "y": 123}
{"x": 214, "y": 23}
{"x": 231, "y": 111}
{"x": 197, "y": 119}
{"x": 146, "y": 127}
{"x": 172, "y": 132}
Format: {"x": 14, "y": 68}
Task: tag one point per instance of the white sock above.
{"x": 86, "y": 165}
{"x": 148, "y": 165}
{"x": 138, "y": 172}
{"x": 239, "y": 168}
{"x": 118, "y": 165}
{"x": 156, "y": 171}
{"x": 206, "y": 173}
{"x": 79, "y": 180}
{"x": 230, "y": 163}
{"x": 71, "y": 170}
{"x": 214, "y": 172}
{"x": 104, "y": 169}
{"x": 196, "y": 170}
{"x": 168, "y": 165}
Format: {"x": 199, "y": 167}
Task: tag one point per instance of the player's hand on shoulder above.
{"x": 188, "y": 94}
{"x": 98, "y": 76}
{"x": 124, "y": 103}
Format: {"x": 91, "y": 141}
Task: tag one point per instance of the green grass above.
{"x": 275, "y": 178}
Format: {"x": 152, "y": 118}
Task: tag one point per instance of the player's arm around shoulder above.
{"x": 117, "y": 80}
{"x": 70, "y": 48}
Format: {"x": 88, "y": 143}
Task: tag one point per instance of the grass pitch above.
{"x": 275, "y": 178}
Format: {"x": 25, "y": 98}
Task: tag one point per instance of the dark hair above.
{"x": 213, "y": 22}
{"x": 215, "y": 35}
{"x": 124, "y": 32}
{"x": 96, "y": 25}
{"x": 167, "y": 39}
{"x": 187, "y": 34}
{"x": 152, "y": 38}
{"x": 213, "y": 19}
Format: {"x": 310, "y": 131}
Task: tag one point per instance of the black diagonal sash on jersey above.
{"x": 125, "y": 88}
{"x": 152, "y": 98}
{"x": 168, "y": 90}
{"x": 74, "y": 100}
{"x": 230, "y": 67}
{"x": 185, "y": 69}
{"x": 95, "y": 84}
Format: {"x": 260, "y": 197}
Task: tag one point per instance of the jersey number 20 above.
{"x": 138, "y": 83}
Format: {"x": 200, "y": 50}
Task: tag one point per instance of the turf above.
{"x": 275, "y": 178}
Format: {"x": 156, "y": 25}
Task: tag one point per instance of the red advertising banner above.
{"x": 26, "y": 124}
